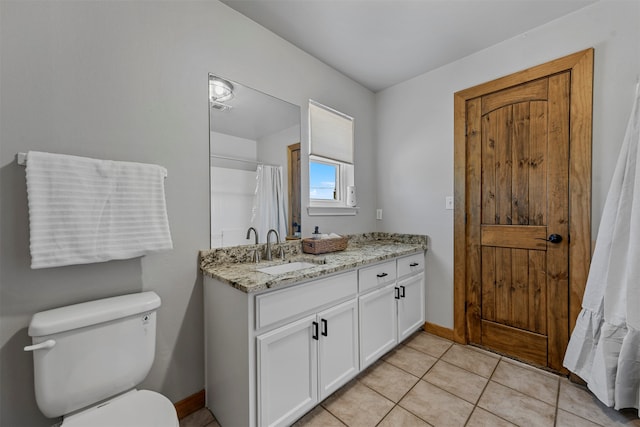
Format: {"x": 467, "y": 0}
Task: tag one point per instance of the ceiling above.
{"x": 380, "y": 43}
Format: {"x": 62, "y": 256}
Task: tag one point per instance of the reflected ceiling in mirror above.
{"x": 254, "y": 163}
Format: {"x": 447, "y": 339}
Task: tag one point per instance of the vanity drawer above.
{"x": 288, "y": 303}
{"x": 376, "y": 275}
{"x": 410, "y": 264}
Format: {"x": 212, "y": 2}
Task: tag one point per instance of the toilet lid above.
{"x": 137, "y": 408}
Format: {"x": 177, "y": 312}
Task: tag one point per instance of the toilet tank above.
{"x": 92, "y": 351}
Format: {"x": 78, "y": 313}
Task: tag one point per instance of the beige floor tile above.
{"x": 389, "y": 381}
{"x": 399, "y": 417}
{"x": 411, "y": 360}
{"x": 429, "y": 344}
{"x": 567, "y": 419}
{"x": 200, "y": 418}
{"x": 516, "y": 407}
{"x": 478, "y": 362}
{"x": 456, "y": 381}
{"x": 579, "y": 401}
{"x": 318, "y": 417}
{"x": 482, "y": 418}
{"x": 357, "y": 405}
{"x": 528, "y": 380}
{"x": 436, "y": 406}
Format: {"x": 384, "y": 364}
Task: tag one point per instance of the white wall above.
{"x": 129, "y": 81}
{"x": 415, "y": 127}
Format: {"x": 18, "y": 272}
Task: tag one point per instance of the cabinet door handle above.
{"x": 414, "y": 264}
{"x": 402, "y": 292}
{"x": 382, "y": 275}
{"x": 325, "y": 329}
{"x": 314, "y": 334}
{"x": 397, "y": 292}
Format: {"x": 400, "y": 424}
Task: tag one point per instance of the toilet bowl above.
{"x": 89, "y": 357}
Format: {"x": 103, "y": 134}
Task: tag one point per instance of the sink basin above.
{"x": 286, "y": 268}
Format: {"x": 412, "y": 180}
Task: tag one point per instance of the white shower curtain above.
{"x": 269, "y": 202}
{"x": 604, "y": 348}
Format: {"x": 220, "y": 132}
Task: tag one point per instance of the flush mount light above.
{"x": 220, "y": 90}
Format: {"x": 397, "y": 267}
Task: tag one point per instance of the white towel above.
{"x": 84, "y": 210}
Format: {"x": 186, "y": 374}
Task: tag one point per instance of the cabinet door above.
{"x": 287, "y": 372}
{"x": 338, "y": 346}
{"x": 378, "y": 324}
{"x": 410, "y": 305}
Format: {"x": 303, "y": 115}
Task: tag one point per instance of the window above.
{"x": 331, "y": 168}
{"x": 323, "y": 177}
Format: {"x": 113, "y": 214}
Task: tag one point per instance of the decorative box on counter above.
{"x": 323, "y": 246}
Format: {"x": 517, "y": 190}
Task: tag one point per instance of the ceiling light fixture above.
{"x": 220, "y": 90}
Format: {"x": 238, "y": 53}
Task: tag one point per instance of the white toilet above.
{"x": 88, "y": 358}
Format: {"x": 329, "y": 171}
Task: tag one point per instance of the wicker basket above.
{"x": 323, "y": 246}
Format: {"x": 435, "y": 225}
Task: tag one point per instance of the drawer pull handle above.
{"x": 325, "y": 329}
{"x": 402, "y": 295}
{"x": 397, "y": 292}
{"x": 414, "y": 264}
{"x": 382, "y": 275}
{"x": 314, "y": 335}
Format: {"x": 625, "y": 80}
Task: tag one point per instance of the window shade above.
{"x": 331, "y": 134}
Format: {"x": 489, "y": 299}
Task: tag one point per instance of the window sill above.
{"x": 332, "y": 210}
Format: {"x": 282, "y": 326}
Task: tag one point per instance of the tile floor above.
{"x": 430, "y": 381}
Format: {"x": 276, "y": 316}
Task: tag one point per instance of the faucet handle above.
{"x": 281, "y": 253}
{"x": 255, "y": 257}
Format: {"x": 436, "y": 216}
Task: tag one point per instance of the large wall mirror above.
{"x": 254, "y": 148}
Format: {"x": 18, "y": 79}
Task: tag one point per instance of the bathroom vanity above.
{"x": 278, "y": 343}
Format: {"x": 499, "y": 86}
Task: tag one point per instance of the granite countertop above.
{"x": 233, "y": 265}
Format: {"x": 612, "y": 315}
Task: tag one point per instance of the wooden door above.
{"x": 522, "y": 172}
{"x": 295, "y": 217}
{"x": 522, "y": 191}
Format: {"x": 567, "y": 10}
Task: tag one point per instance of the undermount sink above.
{"x": 286, "y": 268}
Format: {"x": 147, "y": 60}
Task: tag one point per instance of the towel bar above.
{"x": 21, "y": 159}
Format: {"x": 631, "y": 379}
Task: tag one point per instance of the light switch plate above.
{"x": 448, "y": 201}
{"x": 378, "y": 213}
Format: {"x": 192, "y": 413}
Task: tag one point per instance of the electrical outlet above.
{"x": 448, "y": 202}
{"x": 378, "y": 213}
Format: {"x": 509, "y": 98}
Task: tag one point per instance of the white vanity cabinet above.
{"x": 391, "y": 303}
{"x": 378, "y": 318}
{"x": 271, "y": 356}
{"x": 410, "y": 295}
{"x": 303, "y": 362}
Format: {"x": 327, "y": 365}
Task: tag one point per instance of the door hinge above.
{"x": 465, "y": 130}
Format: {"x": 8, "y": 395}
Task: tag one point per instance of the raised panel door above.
{"x": 378, "y": 324}
{"x": 287, "y": 372}
{"x": 337, "y": 346}
{"x": 410, "y": 305}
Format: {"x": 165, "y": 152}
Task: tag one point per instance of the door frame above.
{"x": 580, "y": 65}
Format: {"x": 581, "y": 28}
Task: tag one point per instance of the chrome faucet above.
{"x": 249, "y": 234}
{"x": 268, "y": 254}
{"x": 256, "y": 252}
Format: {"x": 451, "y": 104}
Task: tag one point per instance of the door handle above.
{"x": 397, "y": 292}
{"x": 314, "y": 334}
{"x": 402, "y": 293}
{"x": 325, "y": 329}
{"x": 553, "y": 238}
